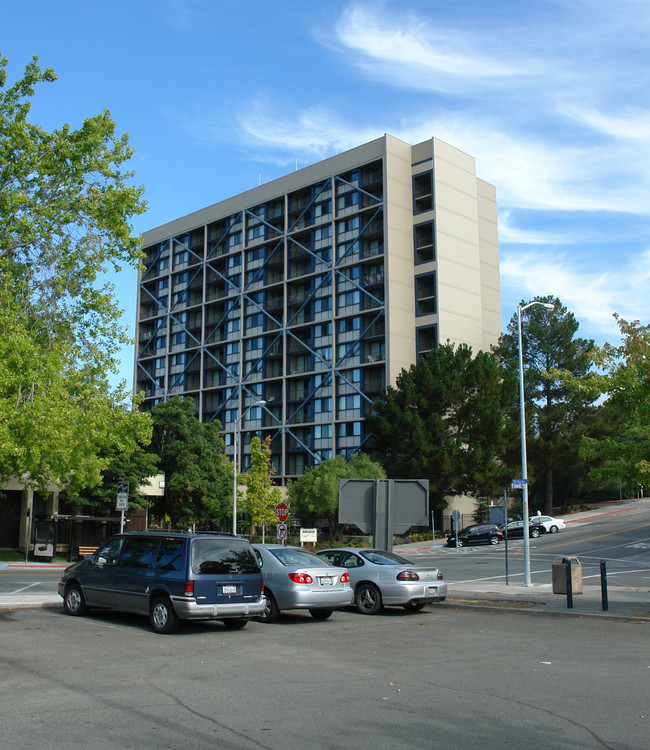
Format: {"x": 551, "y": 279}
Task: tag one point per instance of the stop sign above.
{"x": 282, "y": 512}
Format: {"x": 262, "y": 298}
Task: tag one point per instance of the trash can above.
{"x": 559, "y": 575}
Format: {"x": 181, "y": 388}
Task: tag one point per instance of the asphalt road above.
{"x": 621, "y": 538}
{"x": 440, "y": 677}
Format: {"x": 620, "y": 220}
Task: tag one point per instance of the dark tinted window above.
{"x": 108, "y": 554}
{"x": 140, "y": 552}
{"x": 170, "y": 554}
{"x": 222, "y": 556}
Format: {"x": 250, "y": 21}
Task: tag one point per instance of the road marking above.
{"x": 24, "y": 588}
{"x": 593, "y": 538}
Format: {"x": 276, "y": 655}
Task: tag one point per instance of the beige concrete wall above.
{"x": 457, "y": 246}
{"x": 398, "y": 258}
{"x": 489, "y": 251}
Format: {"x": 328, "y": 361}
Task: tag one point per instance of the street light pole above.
{"x": 522, "y": 423}
{"x": 235, "y": 460}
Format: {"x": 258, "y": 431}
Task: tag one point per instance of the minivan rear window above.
{"x": 222, "y": 556}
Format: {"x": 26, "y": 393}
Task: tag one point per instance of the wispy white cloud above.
{"x": 592, "y": 295}
{"x": 409, "y": 51}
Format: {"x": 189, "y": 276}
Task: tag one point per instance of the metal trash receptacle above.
{"x": 558, "y": 570}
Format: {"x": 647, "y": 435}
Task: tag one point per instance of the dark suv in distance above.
{"x": 169, "y": 576}
{"x": 479, "y": 533}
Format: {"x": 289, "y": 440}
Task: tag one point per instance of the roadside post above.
{"x": 603, "y": 585}
{"x": 122, "y": 501}
{"x": 569, "y": 584}
{"x": 499, "y": 515}
{"x": 455, "y": 523}
{"x": 282, "y": 513}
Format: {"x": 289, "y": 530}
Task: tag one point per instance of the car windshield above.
{"x": 379, "y": 557}
{"x": 292, "y": 557}
{"x": 219, "y": 556}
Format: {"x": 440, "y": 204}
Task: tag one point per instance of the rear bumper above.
{"x": 188, "y": 609}
{"x": 312, "y": 599}
{"x": 427, "y": 591}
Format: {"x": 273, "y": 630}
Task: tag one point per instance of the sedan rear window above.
{"x": 223, "y": 556}
{"x": 379, "y": 557}
{"x": 295, "y": 557}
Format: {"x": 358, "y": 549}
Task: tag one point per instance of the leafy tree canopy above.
{"x": 65, "y": 207}
{"x": 198, "y": 477}
{"x": 555, "y": 413}
{"x": 446, "y": 420}
{"x": 261, "y": 496}
{"x": 621, "y": 374}
{"x": 316, "y": 493}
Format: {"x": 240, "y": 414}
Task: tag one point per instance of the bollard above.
{"x": 603, "y": 584}
{"x": 569, "y": 585}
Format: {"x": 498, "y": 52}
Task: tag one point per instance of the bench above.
{"x": 83, "y": 551}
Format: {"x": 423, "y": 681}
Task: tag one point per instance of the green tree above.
{"x": 65, "y": 207}
{"x": 261, "y": 496}
{"x": 555, "y": 413}
{"x": 446, "y": 420}
{"x": 198, "y": 477}
{"x": 316, "y": 493}
{"x": 621, "y": 374}
{"x": 134, "y": 467}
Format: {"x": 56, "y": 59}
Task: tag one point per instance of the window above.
{"x": 254, "y": 344}
{"x": 427, "y": 339}
{"x": 349, "y": 324}
{"x": 255, "y": 232}
{"x": 423, "y": 192}
{"x": 323, "y": 329}
{"x": 322, "y": 431}
{"x": 425, "y": 294}
{"x": 322, "y": 304}
{"x": 350, "y": 429}
{"x": 139, "y": 553}
{"x": 181, "y": 278}
{"x": 177, "y": 359}
{"x": 232, "y": 326}
{"x": 352, "y": 401}
{"x": 348, "y": 299}
{"x": 181, "y": 257}
{"x": 179, "y": 339}
{"x": 232, "y": 348}
{"x": 255, "y": 321}
{"x": 424, "y": 243}
{"x": 322, "y": 405}
{"x": 348, "y": 225}
{"x": 322, "y": 233}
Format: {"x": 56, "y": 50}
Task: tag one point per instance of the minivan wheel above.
{"x": 74, "y": 602}
{"x": 162, "y": 616}
{"x": 271, "y": 611}
{"x": 235, "y": 623}
{"x": 321, "y": 614}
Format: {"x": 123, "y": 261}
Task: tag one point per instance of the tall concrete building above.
{"x": 312, "y": 292}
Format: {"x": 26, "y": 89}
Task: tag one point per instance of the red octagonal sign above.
{"x": 282, "y": 512}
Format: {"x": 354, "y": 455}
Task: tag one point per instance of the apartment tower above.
{"x": 312, "y": 292}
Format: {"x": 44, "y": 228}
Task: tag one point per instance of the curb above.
{"x": 531, "y": 612}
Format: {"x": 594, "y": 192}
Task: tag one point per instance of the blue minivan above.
{"x": 169, "y": 576}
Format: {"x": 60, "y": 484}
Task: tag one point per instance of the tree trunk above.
{"x": 548, "y": 500}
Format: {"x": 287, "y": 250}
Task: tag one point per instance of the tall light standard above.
{"x": 235, "y": 459}
{"x": 524, "y": 461}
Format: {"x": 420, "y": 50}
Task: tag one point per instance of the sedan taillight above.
{"x": 408, "y": 575}
{"x": 440, "y": 575}
{"x": 345, "y": 578}
{"x": 301, "y": 578}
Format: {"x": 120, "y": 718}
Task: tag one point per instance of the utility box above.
{"x": 559, "y": 571}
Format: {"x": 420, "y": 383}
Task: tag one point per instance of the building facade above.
{"x": 312, "y": 292}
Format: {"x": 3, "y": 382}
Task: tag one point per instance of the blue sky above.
{"x": 550, "y": 97}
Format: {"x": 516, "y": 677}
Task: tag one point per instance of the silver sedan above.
{"x": 296, "y": 578}
{"x": 379, "y": 578}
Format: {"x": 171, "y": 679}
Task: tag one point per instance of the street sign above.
{"x": 122, "y": 500}
{"x": 518, "y": 484}
{"x": 455, "y": 520}
{"x": 282, "y": 511}
{"x": 282, "y": 531}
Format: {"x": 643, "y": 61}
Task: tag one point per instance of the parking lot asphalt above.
{"x": 624, "y": 603}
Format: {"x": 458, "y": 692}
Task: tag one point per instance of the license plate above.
{"x": 326, "y": 581}
{"x": 433, "y": 589}
{"x": 229, "y": 589}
